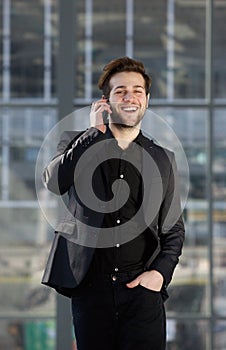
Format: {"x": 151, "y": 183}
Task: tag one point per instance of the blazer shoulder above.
{"x": 70, "y": 135}
{"x": 67, "y": 138}
{"x": 163, "y": 150}
{"x": 157, "y": 148}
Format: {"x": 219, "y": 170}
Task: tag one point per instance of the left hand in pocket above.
{"x": 152, "y": 280}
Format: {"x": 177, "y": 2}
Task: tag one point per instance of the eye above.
{"x": 139, "y": 91}
{"x": 119, "y": 92}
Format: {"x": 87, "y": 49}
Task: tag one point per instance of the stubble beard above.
{"x": 121, "y": 123}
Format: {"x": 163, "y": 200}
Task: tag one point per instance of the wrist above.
{"x": 157, "y": 275}
{"x": 102, "y": 128}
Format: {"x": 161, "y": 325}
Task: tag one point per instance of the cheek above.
{"x": 144, "y": 102}
{"x": 114, "y": 98}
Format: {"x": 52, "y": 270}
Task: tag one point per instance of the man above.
{"x": 115, "y": 251}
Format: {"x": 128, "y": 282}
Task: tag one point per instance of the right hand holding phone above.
{"x": 97, "y": 114}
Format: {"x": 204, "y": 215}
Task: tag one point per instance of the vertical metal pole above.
{"x": 47, "y": 50}
{"x": 6, "y": 97}
{"x": 170, "y": 49}
{"x": 65, "y": 92}
{"x": 5, "y": 132}
{"x": 88, "y": 49}
{"x": 6, "y": 50}
{"x": 129, "y": 27}
{"x": 209, "y": 98}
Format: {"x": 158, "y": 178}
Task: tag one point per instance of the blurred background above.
{"x": 51, "y": 55}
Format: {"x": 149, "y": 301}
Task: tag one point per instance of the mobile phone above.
{"x": 105, "y": 117}
{"x": 105, "y": 113}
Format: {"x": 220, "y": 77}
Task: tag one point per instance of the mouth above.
{"x": 129, "y": 109}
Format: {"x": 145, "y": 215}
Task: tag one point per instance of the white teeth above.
{"x": 129, "y": 108}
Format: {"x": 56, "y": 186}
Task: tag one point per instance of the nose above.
{"x": 128, "y": 96}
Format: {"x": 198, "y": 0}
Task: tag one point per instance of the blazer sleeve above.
{"x": 170, "y": 227}
{"x": 58, "y": 176}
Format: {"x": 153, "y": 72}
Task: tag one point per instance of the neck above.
{"x": 124, "y": 135}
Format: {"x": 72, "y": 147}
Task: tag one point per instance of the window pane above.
{"x": 24, "y": 334}
{"x": 171, "y": 42}
{"x": 1, "y": 49}
{"x": 27, "y": 48}
{"x": 219, "y": 50}
{"x": 15, "y": 230}
{"x": 189, "y": 49}
{"x": 80, "y": 29}
{"x": 190, "y": 126}
{"x": 100, "y": 36}
{"x": 24, "y": 130}
{"x": 219, "y": 161}
{"x": 108, "y": 35}
{"x": 54, "y": 45}
{"x": 23, "y": 228}
{"x": 187, "y": 335}
{"x": 220, "y": 335}
{"x": 150, "y": 42}
{"x": 219, "y": 217}
{"x": 189, "y": 290}
{"x": 22, "y": 264}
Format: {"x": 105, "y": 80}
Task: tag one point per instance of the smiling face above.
{"x": 127, "y": 98}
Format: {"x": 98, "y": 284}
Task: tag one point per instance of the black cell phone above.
{"x": 105, "y": 117}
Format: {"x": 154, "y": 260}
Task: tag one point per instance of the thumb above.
{"x": 133, "y": 283}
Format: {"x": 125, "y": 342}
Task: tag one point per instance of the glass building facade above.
{"x": 51, "y": 55}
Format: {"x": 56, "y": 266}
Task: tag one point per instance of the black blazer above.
{"x": 76, "y": 234}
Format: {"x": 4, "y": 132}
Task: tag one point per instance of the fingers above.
{"x": 96, "y": 114}
{"x": 152, "y": 280}
{"x": 100, "y": 106}
{"x": 134, "y": 283}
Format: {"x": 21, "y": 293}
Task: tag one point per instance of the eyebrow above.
{"x": 124, "y": 86}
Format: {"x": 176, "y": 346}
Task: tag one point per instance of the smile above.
{"x": 130, "y": 109}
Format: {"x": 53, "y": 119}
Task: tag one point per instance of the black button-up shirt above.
{"x": 123, "y": 165}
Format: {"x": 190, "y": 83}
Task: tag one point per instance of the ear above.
{"x": 103, "y": 96}
{"x": 148, "y": 97}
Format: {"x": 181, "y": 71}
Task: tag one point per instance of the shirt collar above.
{"x": 140, "y": 140}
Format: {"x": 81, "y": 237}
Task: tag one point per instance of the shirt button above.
{"x": 121, "y": 176}
{"x": 118, "y": 221}
{"x": 116, "y": 269}
{"x": 117, "y": 245}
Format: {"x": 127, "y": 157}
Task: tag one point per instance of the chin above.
{"x": 125, "y": 122}
{"x": 128, "y": 125}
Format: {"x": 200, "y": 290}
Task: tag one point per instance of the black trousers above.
{"x": 107, "y": 315}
